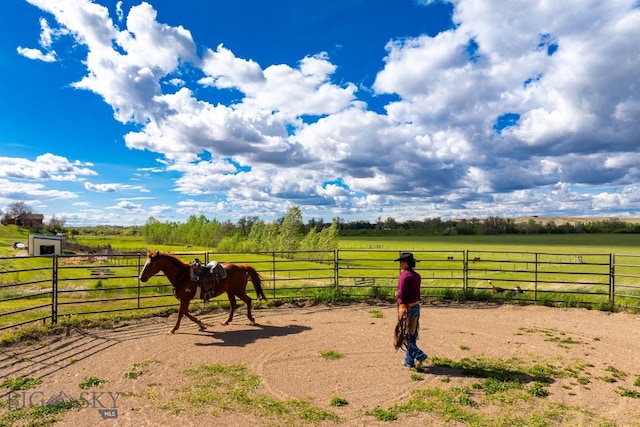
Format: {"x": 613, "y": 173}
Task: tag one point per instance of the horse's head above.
{"x": 151, "y": 267}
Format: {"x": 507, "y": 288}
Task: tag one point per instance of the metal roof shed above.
{"x": 44, "y": 244}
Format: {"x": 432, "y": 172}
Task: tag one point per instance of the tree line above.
{"x": 287, "y": 234}
{"x": 487, "y": 226}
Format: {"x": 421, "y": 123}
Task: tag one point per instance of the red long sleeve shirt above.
{"x": 408, "y": 286}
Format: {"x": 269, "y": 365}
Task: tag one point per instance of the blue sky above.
{"x": 113, "y": 112}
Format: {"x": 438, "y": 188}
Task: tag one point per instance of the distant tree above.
{"x": 531, "y": 227}
{"x": 318, "y": 224}
{"x": 328, "y": 239}
{"x": 287, "y": 234}
{"x": 242, "y": 223}
{"x": 130, "y": 231}
{"x": 325, "y": 240}
{"x": 18, "y": 210}
{"x": 311, "y": 241}
{"x": 232, "y": 243}
{"x": 413, "y": 225}
{"x": 435, "y": 225}
{"x": 496, "y": 225}
{"x": 270, "y": 234}
{"x": 153, "y": 231}
{"x": 256, "y": 236}
{"x": 55, "y": 225}
{"x": 291, "y": 230}
{"x": 245, "y": 224}
{"x": 465, "y": 227}
{"x": 379, "y": 223}
{"x": 390, "y": 224}
{"x": 264, "y": 236}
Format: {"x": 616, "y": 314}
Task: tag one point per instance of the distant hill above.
{"x": 559, "y": 220}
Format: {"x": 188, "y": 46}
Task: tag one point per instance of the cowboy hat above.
{"x": 406, "y": 256}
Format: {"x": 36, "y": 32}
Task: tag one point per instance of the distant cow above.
{"x": 476, "y": 259}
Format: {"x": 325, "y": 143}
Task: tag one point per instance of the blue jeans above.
{"x": 413, "y": 352}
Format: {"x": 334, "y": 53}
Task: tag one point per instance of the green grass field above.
{"x": 562, "y": 243}
{"x": 570, "y": 243}
{"x": 543, "y": 265}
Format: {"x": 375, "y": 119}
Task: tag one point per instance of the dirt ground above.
{"x": 285, "y": 350}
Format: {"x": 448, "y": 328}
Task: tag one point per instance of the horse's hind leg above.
{"x": 247, "y": 300}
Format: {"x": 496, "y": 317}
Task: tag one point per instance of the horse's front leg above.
{"x": 232, "y": 308}
{"x": 184, "y": 308}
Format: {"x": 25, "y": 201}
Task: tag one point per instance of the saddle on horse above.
{"x": 207, "y": 276}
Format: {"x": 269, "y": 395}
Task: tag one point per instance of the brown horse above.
{"x": 185, "y": 289}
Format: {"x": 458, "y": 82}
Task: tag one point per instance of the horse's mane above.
{"x": 172, "y": 257}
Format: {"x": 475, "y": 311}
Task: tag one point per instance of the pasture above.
{"x": 561, "y": 243}
{"x": 568, "y": 271}
{"x": 569, "y": 243}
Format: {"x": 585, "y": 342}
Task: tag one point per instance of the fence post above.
{"x": 139, "y": 279}
{"x": 336, "y": 269}
{"x": 273, "y": 272}
{"x": 612, "y": 279}
{"x": 54, "y": 289}
{"x": 535, "y": 279}
{"x": 465, "y": 273}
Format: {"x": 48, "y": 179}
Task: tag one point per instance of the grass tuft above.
{"x": 138, "y": 369}
{"x": 38, "y": 416}
{"x": 339, "y": 401}
{"x": 91, "y": 382}
{"x": 376, "y": 314}
{"x": 383, "y": 414}
{"x": 630, "y": 393}
{"x": 332, "y": 355}
{"x": 21, "y": 383}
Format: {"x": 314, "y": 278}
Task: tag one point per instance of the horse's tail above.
{"x": 256, "y": 279}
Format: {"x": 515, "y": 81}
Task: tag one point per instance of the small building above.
{"x": 44, "y": 244}
{"x": 29, "y": 220}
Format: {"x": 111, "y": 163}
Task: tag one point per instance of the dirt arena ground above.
{"x": 285, "y": 351}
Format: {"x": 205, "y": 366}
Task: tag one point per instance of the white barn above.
{"x": 43, "y": 244}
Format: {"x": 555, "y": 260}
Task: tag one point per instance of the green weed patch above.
{"x": 21, "y": 383}
{"x": 210, "y": 389}
{"x": 495, "y": 387}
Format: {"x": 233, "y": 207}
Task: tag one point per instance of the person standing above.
{"x": 408, "y": 297}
